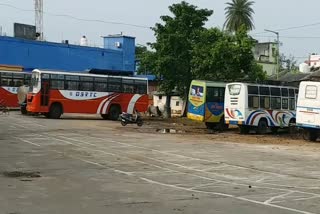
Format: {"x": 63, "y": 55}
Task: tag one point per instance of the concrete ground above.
{"x": 87, "y": 165}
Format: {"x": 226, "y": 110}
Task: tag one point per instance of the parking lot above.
{"x": 89, "y": 165}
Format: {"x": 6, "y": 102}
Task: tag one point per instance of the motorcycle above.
{"x": 130, "y": 119}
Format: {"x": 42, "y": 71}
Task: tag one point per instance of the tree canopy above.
{"x": 239, "y": 13}
{"x": 185, "y": 50}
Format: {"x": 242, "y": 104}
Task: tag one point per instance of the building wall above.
{"x": 265, "y": 52}
{"x": 47, "y": 55}
{"x": 125, "y": 44}
{"x": 177, "y": 104}
{"x": 269, "y": 68}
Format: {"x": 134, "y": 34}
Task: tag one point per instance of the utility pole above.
{"x": 38, "y": 6}
{"x": 278, "y": 51}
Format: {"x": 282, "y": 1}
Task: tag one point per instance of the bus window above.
{"x": 27, "y": 79}
{"x": 100, "y": 86}
{"x": 265, "y": 102}
{"x": 128, "y": 86}
{"x": 5, "y": 81}
{"x": 57, "y": 76}
{"x": 275, "y": 92}
{"x": 253, "y": 90}
{"x": 291, "y": 93}
{"x": 18, "y": 75}
{"x": 285, "y": 103}
{"x": 253, "y": 101}
{"x": 17, "y": 82}
{"x": 292, "y": 104}
{"x": 215, "y": 94}
{"x": 114, "y": 84}
{"x": 265, "y": 91}
{"x": 86, "y": 86}
{"x": 57, "y": 84}
{"x": 141, "y": 86}
{"x": 234, "y": 89}
{"x": 311, "y": 92}
{"x": 71, "y": 85}
{"x": 284, "y": 92}
{"x": 275, "y": 102}
{"x": 253, "y": 98}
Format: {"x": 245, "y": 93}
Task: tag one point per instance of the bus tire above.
{"x": 55, "y": 111}
{"x": 222, "y": 124}
{"x": 274, "y": 130}
{"x": 262, "y": 126}
{"x": 23, "y": 110}
{"x": 292, "y": 126}
{"x": 310, "y": 135}
{"x": 105, "y": 116}
{"x": 244, "y": 129}
{"x": 114, "y": 112}
{"x": 211, "y": 126}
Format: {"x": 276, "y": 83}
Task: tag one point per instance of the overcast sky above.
{"x": 271, "y": 14}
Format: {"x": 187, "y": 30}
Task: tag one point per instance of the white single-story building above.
{"x": 177, "y": 103}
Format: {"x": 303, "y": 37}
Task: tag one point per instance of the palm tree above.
{"x": 239, "y": 13}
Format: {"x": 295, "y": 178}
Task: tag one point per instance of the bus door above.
{"x": 45, "y": 86}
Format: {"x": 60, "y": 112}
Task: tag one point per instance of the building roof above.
{"x": 150, "y": 77}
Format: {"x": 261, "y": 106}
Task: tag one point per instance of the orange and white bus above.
{"x": 10, "y": 81}
{"x": 53, "y": 93}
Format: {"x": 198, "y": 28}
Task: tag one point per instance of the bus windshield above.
{"x": 234, "y": 89}
{"x": 34, "y": 81}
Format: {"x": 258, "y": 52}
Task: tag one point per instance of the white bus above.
{"x": 260, "y": 106}
{"x": 308, "y": 110}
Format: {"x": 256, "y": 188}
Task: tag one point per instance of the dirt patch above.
{"x": 20, "y": 174}
{"x": 199, "y": 131}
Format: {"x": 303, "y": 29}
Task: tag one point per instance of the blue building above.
{"x": 118, "y": 54}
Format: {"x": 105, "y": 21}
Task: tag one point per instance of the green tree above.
{"x": 225, "y": 57}
{"x": 144, "y": 59}
{"x": 239, "y": 13}
{"x": 175, "y": 38}
{"x": 288, "y": 64}
{"x": 174, "y": 42}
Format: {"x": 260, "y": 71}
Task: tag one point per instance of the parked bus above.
{"x": 308, "y": 110}
{"x": 260, "y": 106}
{"x": 206, "y": 103}
{"x": 10, "y": 81}
{"x": 53, "y": 93}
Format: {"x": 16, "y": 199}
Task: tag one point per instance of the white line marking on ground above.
{"x": 193, "y": 175}
{"x": 27, "y": 141}
{"x": 182, "y": 188}
{"x": 278, "y": 196}
{"x": 225, "y": 195}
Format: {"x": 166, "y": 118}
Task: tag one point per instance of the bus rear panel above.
{"x": 206, "y": 102}
{"x": 308, "y": 110}
{"x": 10, "y": 81}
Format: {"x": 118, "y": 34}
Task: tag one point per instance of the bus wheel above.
{"x": 292, "y": 126}
{"x": 104, "y": 116}
{"x": 211, "y": 126}
{"x": 55, "y": 111}
{"x": 114, "y": 112}
{"x": 222, "y": 125}
{"x": 310, "y": 135}
{"x": 23, "y": 110}
{"x": 244, "y": 129}
{"x": 262, "y": 127}
{"x": 274, "y": 130}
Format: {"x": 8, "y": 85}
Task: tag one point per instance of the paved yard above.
{"x": 87, "y": 165}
